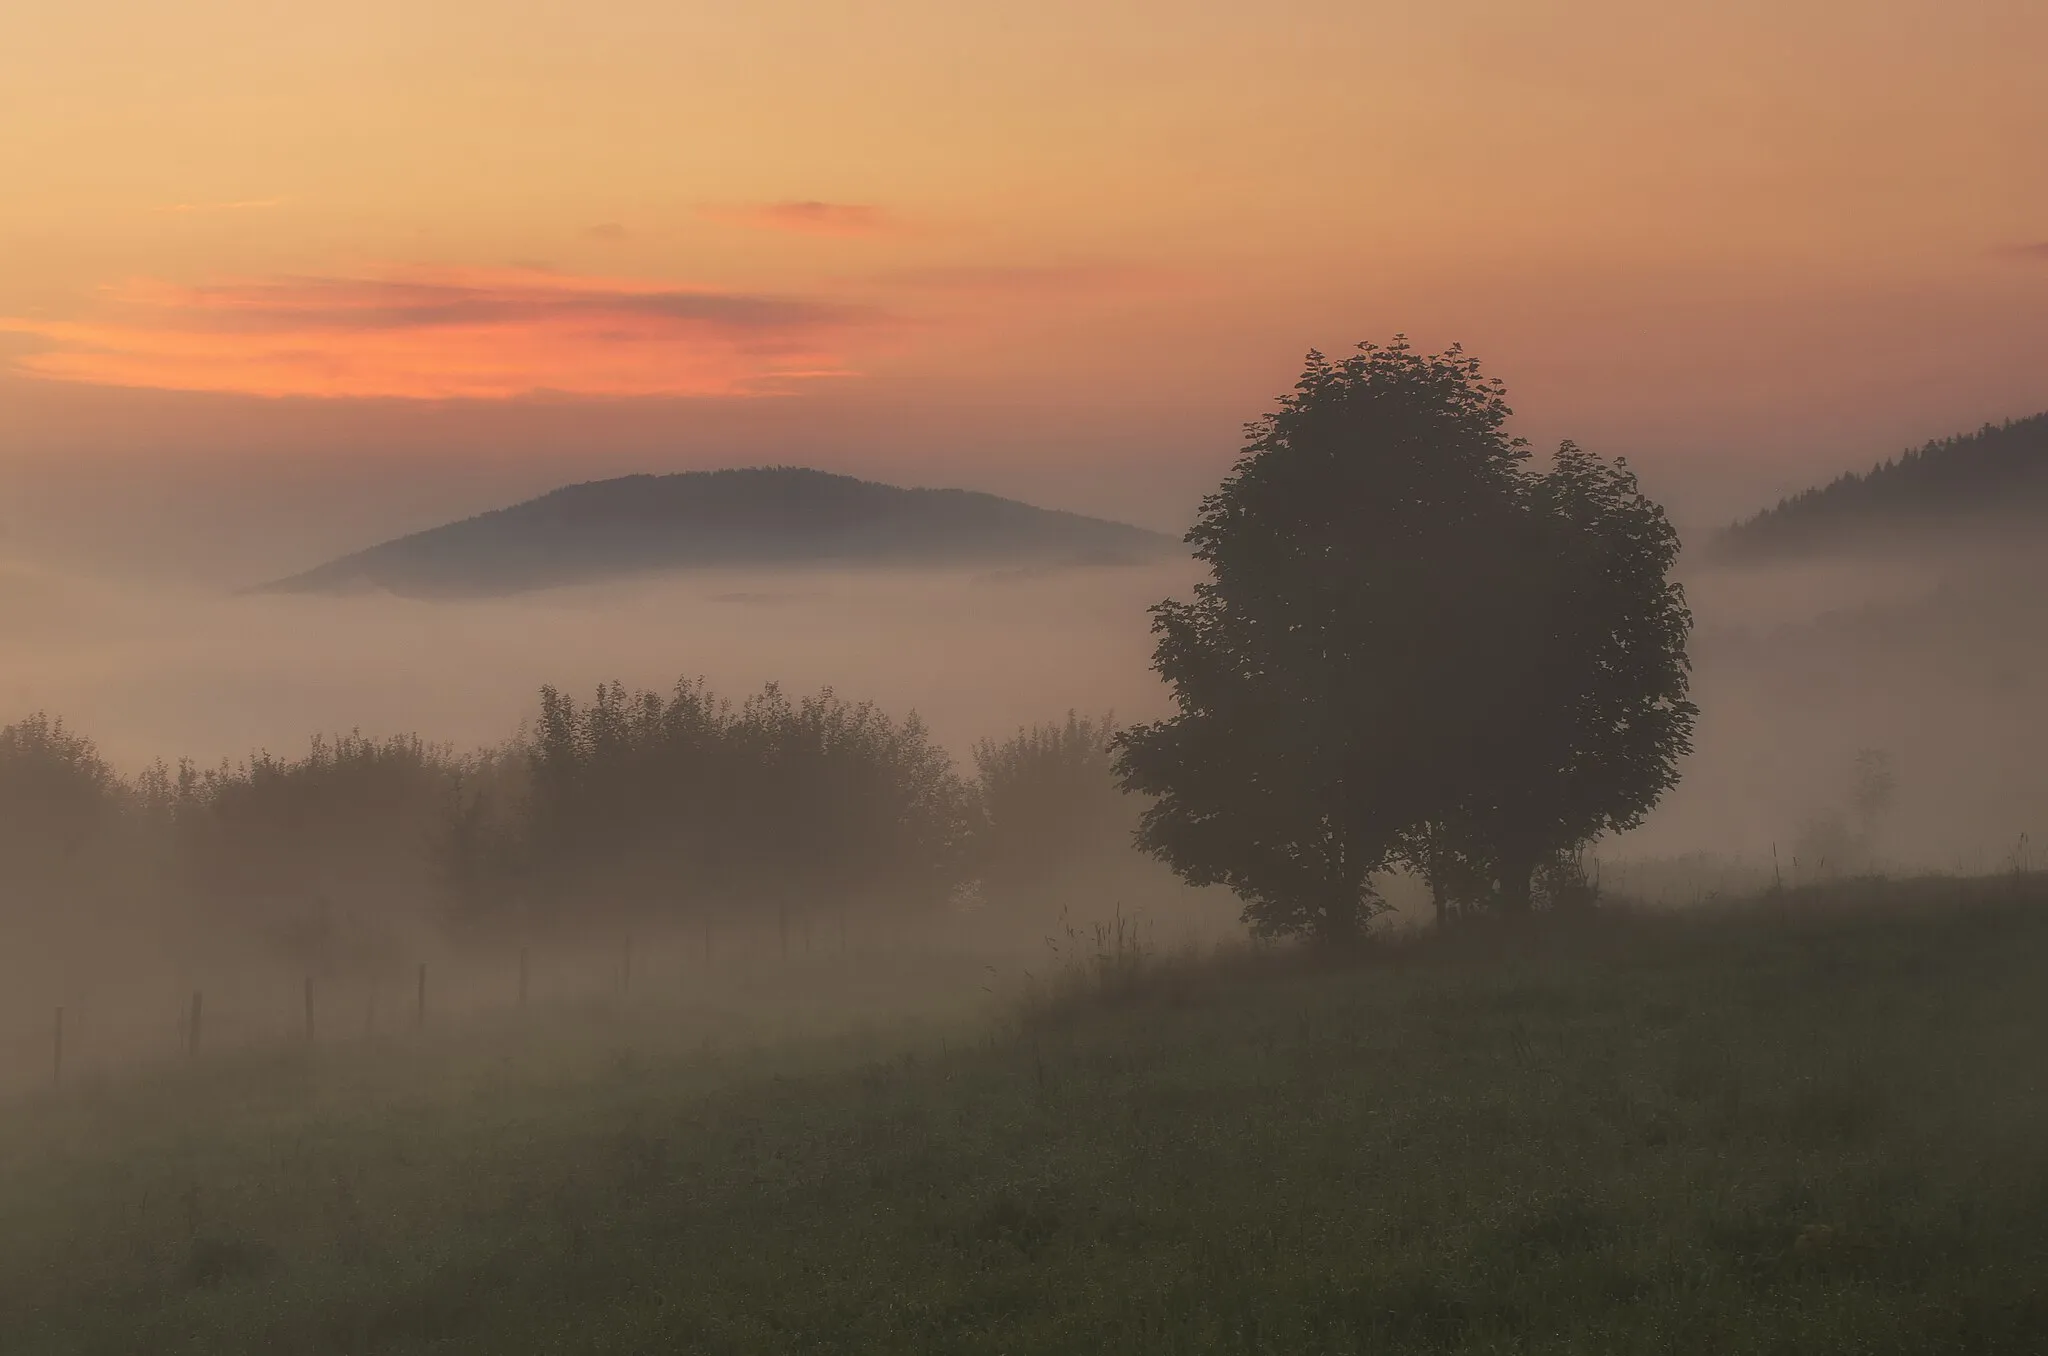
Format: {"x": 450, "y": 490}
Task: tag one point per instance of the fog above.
{"x": 1932, "y": 664}
{"x": 313, "y": 1002}
{"x": 153, "y": 672}
{"x": 1934, "y": 660}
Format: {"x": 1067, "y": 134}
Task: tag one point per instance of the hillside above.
{"x": 1994, "y": 480}
{"x": 761, "y": 517}
{"x": 1813, "y": 1127}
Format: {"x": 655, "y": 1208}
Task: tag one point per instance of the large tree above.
{"x": 1589, "y": 716}
{"x": 1408, "y": 648}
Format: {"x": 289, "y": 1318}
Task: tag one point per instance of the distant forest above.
{"x": 1994, "y": 479}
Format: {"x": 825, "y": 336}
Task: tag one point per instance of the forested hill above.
{"x": 1992, "y": 481}
{"x": 760, "y": 517}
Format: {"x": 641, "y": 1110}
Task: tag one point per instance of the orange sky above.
{"x": 308, "y": 272}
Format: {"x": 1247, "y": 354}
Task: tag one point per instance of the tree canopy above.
{"x": 1049, "y": 803}
{"x": 1410, "y": 649}
{"x": 56, "y": 794}
{"x": 653, "y": 801}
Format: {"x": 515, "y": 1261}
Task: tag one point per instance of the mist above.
{"x": 158, "y": 676}
{"x": 1929, "y": 658}
{"x": 185, "y": 672}
{"x": 589, "y": 868}
{"x": 1799, "y": 667}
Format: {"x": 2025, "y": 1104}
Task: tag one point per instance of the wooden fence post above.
{"x": 522, "y": 976}
{"x": 309, "y": 1009}
{"x": 192, "y": 1027}
{"x": 419, "y": 1018}
{"x": 57, "y": 1052}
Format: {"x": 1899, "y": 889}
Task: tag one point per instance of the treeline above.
{"x": 646, "y": 801}
{"x": 1998, "y": 472}
{"x": 629, "y": 804}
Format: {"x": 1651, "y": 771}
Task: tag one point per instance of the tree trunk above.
{"x": 1433, "y": 873}
{"x": 1340, "y": 922}
{"x": 1339, "y": 926}
{"x": 1518, "y": 888}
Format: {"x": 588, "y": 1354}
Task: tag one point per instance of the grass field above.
{"x": 1816, "y": 1124}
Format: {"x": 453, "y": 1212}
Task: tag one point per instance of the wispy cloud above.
{"x": 2037, "y": 252}
{"x": 805, "y": 218}
{"x": 246, "y": 205}
{"x": 446, "y": 334}
{"x": 607, "y": 231}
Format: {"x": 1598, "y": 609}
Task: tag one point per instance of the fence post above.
{"x": 522, "y": 976}
{"x": 192, "y": 1027}
{"x": 782, "y": 927}
{"x": 57, "y": 1052}
{"x": 707, "y": 941}
{"x": 309, "y": 1009}
{"x": 419, "y": 1018}
{"x": 626, "y": 969}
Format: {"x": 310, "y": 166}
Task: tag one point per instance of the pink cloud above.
{"x": 446, "y": 334}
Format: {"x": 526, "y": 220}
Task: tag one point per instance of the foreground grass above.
{"x": 1819, "y": 1126}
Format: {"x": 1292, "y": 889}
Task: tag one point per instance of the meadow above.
{"x": 1812, "y": 1122}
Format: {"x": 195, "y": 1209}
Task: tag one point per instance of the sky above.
{"x": 280, "y": 280}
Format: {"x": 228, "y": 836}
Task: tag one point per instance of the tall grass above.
{"x": 1811, "y": 1123}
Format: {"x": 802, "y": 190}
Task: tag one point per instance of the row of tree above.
{"x": 647, "y": 804}
{"x": 646, "y": 801}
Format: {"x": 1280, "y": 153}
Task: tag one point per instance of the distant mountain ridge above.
{"x": 759, "y": 516}
{"x": 1994, "y": 481}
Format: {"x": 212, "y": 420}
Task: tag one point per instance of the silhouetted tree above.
{"x": 321, "y": 852}
{"x": 1050, "y": 805}
{"x": 1408, "y": 649}
{"x": 57, "y": 796}
{"x": 643, "y": 801}
{"x": 1588, "y": 715}
{"x": 1325, "y": 694}
{"x": 481, "y": 863}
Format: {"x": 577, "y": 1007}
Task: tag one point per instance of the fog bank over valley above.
{"x": 1800, "y": 666}
{"x": 172, "y": 673}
